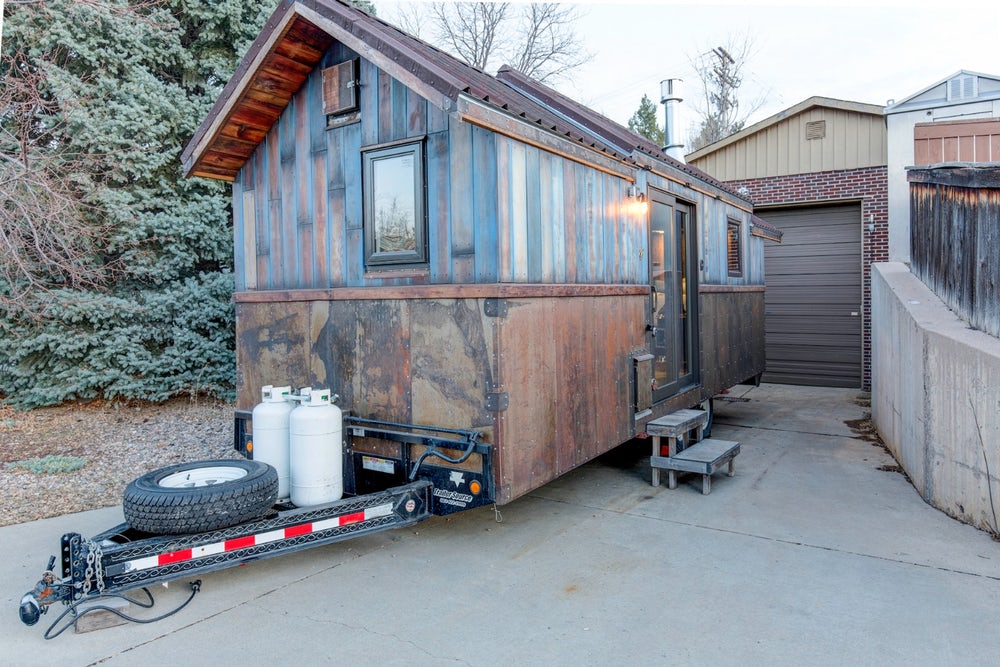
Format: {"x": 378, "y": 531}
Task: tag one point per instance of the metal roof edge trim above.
{"x": 763, "y": 229}
{"x": 357, "y": 38}
{"x": 623, "y": 167}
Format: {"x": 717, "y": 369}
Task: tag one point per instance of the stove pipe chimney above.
{"x": 669, "y": 98}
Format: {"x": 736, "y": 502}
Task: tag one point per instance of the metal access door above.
{"x": 673, "y": 279}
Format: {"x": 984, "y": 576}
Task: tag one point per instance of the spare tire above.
{"x": 200, "y": 496}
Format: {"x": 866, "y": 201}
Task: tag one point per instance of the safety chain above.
{"x": 95, "y": 566}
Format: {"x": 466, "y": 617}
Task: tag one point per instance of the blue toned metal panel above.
{"x": 439, "y": 237}
{"x": 486, "y": 203}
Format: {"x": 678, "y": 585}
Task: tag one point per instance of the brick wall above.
{"x": 868, "y": 186}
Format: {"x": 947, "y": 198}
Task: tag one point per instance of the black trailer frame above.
{"x": 121, "y": 559}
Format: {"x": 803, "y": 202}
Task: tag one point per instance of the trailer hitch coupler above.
{"x": 30, "y": 610}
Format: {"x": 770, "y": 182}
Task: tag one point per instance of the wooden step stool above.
{"x": 703, "y": 457}
{"x": 677, "y": 428}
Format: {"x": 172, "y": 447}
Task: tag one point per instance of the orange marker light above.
{"x": 475, "y": 487}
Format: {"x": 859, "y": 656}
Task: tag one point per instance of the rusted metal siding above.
{"x": 304, "y": 185}
{"x": 954, "y": 237}
{"x": 732, "y": 335}
{"x": 956, "y": 141}
{"x": 564, "y": 362}
{"x": 407, "y": 360}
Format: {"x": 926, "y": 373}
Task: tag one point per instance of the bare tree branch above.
{"x": 536, "y": 39}
{"x": 549, "y": 47}
{"x": 47, "y": 240}
{"x": 721, "y": 71}
{"x": 471, "y": 30}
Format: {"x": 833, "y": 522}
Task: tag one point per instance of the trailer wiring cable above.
{"x": 433, "y": 451}
{"x": 71, "y": 609}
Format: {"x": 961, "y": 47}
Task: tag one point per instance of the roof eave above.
{"x": 340, "y": 23}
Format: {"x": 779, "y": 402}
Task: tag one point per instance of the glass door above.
{"x": 673, "y": 279}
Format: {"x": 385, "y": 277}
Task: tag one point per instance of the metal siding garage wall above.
{"x": 814, "y": 295}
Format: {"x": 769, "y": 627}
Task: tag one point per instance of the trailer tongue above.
{"x": 122, "y": 558}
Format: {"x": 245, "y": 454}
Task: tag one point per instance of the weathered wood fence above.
{"x": 955, "y": 238}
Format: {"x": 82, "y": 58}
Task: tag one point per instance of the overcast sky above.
{"x": 857, "y": 51}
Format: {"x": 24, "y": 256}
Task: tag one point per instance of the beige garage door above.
{"x": 814, "y": 295}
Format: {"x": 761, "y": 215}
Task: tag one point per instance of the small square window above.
{"x": 395, "y": 224}
{"x": 734, "y": 255}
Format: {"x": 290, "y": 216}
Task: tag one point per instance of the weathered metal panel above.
{"x": 560, "y": 221}
{"x": 566, "y": 364}
{"x": 460, "y": 204}
{"x": 418, "y": 360}
{"x": 485, "y": 196}
{"x": 711, "y": 217}
{"x": 439, "y": 239}
{"x": 732, "y": 335}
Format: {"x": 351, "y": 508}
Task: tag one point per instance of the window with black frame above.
{"x": 734, "y": 255}
{"x": 394, "y": 216}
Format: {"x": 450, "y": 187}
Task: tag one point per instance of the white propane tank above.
{"x": 316, "y": 434}
{"x": 270, "y": 432}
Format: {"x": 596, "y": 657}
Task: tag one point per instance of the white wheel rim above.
{"x": 195, "y": 477}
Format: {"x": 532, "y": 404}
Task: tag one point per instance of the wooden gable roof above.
{"x": 293, "y": 42}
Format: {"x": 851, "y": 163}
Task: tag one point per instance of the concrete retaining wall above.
{"x": 936, "y": 396}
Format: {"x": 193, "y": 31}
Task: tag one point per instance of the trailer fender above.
{"x": 200, "y": 496}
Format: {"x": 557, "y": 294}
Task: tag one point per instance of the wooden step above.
{"x": 677, "y": 423}
{"x": 680, "y": 428}
{"x": 703, "y": 458}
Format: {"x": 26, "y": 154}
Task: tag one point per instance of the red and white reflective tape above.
{"x": 260, "y": 538}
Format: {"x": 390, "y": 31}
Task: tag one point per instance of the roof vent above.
{"x": 963, "y": 87}
{"x": 816, "y": 129}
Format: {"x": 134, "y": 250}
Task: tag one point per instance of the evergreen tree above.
{"x": 121, "y": 87}
{"x": 643, "y": 122}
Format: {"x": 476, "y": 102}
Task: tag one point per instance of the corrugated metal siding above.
{"x": 814, "y": 296}
{"x": 852, "y": 140}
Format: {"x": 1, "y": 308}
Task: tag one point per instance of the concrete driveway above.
{"x": 811, "y": 554}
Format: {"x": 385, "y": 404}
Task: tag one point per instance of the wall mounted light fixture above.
{"x": 636, "y": 200}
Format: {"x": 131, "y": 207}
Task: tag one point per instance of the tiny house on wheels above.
{"x": 477, "y": 253}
